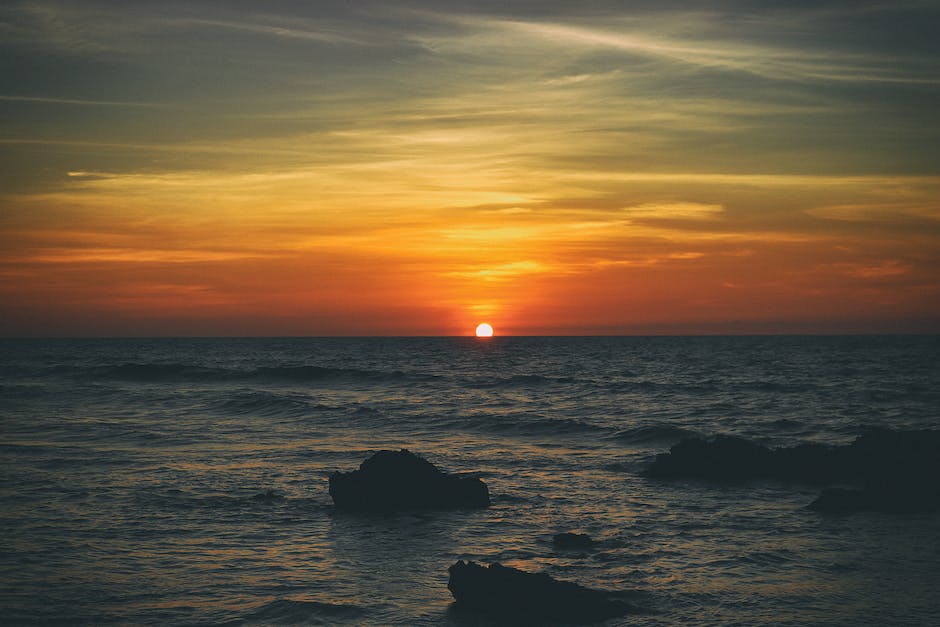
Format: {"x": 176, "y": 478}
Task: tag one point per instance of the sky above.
{"x": 415, "y": 167}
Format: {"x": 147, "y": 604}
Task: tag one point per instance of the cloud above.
{"x": 80, "y": 102}
{"x": 288, "y": 30}
{"x": 137, "y": 255}
{"x": 885, "y": 269}
{"x": 675, "y": 211}
{"x": 705, "y": 39}
{"x": 879, "y": 211}
{"x": 503, "y": 272}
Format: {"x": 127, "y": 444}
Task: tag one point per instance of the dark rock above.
{"x": 884, "y": 456}
{"x": 811, "y": 463}
{"x": 839, "y": 501}
{"x": 722, "y": 457}
{"x": 570, "y": 540}
{"x": 896, "y": 500}
{"x": 392, "y": 481}
{"x": 267, "y": 496}
{"x": 508, "y": 594}
{"x": 896, "y": 470}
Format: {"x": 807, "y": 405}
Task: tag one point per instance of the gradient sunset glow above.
{"x": 412, "y": 168}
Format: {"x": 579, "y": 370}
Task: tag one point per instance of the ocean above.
{"x": 184, "y": 481}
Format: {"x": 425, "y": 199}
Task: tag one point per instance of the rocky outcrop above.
{"x": 571, "y": 540}
{"x": 392, "y": 481}
{"x": 892, "y": 471}
{"x": 898, "y": 472}
{"x": 515, "y": 596}
{"x": 727, "y": 458}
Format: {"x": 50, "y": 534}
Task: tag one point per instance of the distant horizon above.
{"x": 469, "y": 337}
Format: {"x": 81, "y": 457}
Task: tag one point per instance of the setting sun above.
{"x": 484, "y": 330}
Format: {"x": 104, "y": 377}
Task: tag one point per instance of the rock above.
{"x": 895, "y": 471}
{"x": 811, "y": 463}
{"x": 570, "y": 540}
{"x": 898, "y": 500}
{"x": 885, "y": 456}
{"x": 722, "y": 457}
{"x": 839, "y": 501}
{"x": 391, "y": 481}
{"x": 267, "y": 496}
{"x": 508, "y": 594}
{"x": 731, "y": 458}
{"x": 898, "y": 472}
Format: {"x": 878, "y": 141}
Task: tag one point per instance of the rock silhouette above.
{"x": 893, "y": 471}
{"x": 571, "y": 540}
{"x": 726, "y": 457}
{"x": 898, "y": 472}
{"x": 391, "y": 481}
{"x": 512, "y": 595}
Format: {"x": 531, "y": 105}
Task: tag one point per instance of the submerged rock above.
{"x": 392, "y": 481}
{"x": 571, "y": 540}
{"x": 508, "y": 594}
{"x": 895, "y": 471}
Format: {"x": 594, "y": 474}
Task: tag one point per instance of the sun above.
{"x": 484, "y": 330}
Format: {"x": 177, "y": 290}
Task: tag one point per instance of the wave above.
{"x": 294, "y": 612}
{"x": 535, "y": 425}
{"x": 181, "y": 372}
{"x": 176, "y": 499}
{"x": 15, "y": 396}
{"x": 768, "y": 558}
{"x": 266, "y": 404}
{"x": 154, "y": 372}
{"x": 525, "y": 424}
{"x": 318, "y": 373}
{"x": 645, "y": 434}
{"x": 519, "y": 380}
{"x": 787, "y": 423}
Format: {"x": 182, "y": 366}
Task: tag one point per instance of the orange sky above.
{"x": 405, "y": 170}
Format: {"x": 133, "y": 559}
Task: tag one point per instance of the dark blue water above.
{"x": 185, "y": 481}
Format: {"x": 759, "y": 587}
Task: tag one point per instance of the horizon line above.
{"x": 466, "y": 336}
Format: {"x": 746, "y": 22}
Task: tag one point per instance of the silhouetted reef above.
{"x": 267, "y": 496}
{"x": 514, "y": 596}
{"x": 896, "y": 470}
{"x": 727, "y": 458}
{"x": 392, "y": 481}
{"x": 572, "y": 540}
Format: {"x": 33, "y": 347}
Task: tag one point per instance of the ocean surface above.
{"x": 184, "y": 481}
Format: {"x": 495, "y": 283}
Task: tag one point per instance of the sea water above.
{"x": 184, "y": 481}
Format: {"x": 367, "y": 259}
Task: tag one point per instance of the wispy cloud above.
{"x": 87, "y": 103}
{"x": 289, "y": 30}
{"x": 675, "y": 211}
{"x": 696, "y": 39}
{"x": 138, "y": 255}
